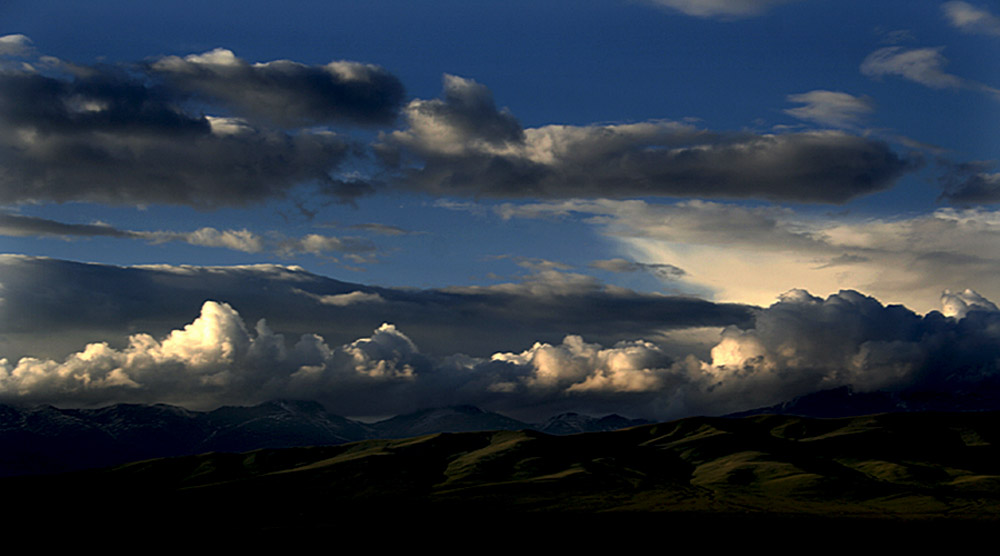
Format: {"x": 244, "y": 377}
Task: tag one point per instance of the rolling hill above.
{"x": 895, "y": 468}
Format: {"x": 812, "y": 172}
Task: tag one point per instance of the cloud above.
{"x": 384, "y": 229}
{"x": 462, "y": 145}
{"x": 959, "y": 304}
{"x": 120, "y": 134}
{"x": 661, "y": 270}
{"x": 970, "y": 183}
{"x": 575, "y": 368}
{"x": 981, "y": 188}
{"x": 17, "y": 225}
{"x": 317, "y": 244}
{"x": 895, "y": 36}
{"x": 218, "y": 358}
{"x": 831, "y": 108}
{"x": 213, "y": 360}
{"x": 250, "y": 242}
{"x": 345, "y": 299}
{"x": 43, "y": 314}
{"x": 535, "y": 264}
{"x": 805, "y": 343}
{"x": 238, "y": 240}
{"x": 721, "y": 8}
{"x": 971, "y": 19}
{"x": 15, "y": 45}
{"x": 798, "y": 345}
{"x": 739, "y": 253}
{"x": 110, "y": 139}
{"x": 465, "y": 117}
{"x": 920, "y": 65}
{"x": 288, "y": 93}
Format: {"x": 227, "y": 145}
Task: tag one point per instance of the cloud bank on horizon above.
{"x": 597, "y": 216}
{"x": 799, "y": 345}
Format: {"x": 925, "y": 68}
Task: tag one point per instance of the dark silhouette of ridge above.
{"x": 46, "y": 439}
{"x": 847, "y": 402}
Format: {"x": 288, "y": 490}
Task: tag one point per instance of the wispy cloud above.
{"x": 16, "y": 225}
{"x": 384, "y": 229}
{"x": 661, "y": 270}
{"x": 726, "y": 9}
{"x": 920, "y": 65}
{"x": 238, "y": 240}
{"x": 971, "y": 19}
{"x": 831, "y": 108}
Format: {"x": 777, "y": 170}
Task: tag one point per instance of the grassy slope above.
{"x": 901, "y": 466}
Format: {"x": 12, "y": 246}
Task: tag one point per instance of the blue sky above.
{"x": 726, "y": 150}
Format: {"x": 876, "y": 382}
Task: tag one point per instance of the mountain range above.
{"x": 46, "y": 439}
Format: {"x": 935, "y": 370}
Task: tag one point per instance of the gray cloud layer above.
{"x": 51, "y": 307}
{"x": 461, "y": 144}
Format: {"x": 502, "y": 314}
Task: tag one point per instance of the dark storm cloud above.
{"x": 137, "y": 134}
{"x": 462, "y": 144}
{"x": 110, "y": 138}
{"x": 805, "y": 343}
{"x": 288, "y": 93}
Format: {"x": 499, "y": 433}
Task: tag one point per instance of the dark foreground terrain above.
{"x": 912, "y": 471}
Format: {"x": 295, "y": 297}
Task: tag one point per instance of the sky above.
{"x": 650, "y": 207}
